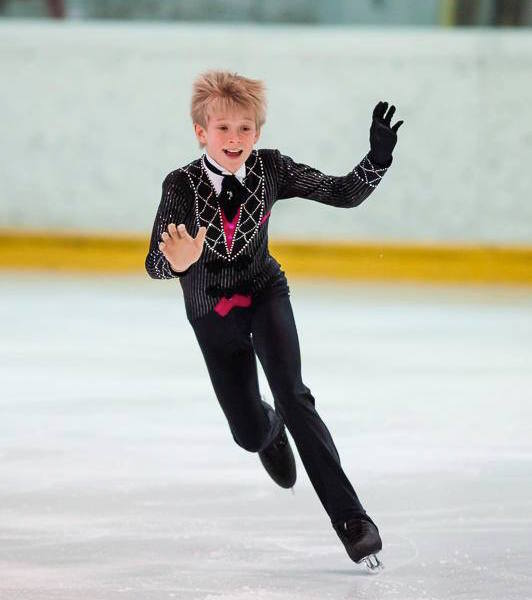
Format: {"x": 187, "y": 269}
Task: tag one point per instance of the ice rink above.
{"x": 119, "y": 477}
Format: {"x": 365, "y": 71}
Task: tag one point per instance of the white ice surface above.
{"x": 119, "y": 477}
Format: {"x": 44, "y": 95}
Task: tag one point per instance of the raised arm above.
{"x": 300, "y": 180}
{"x": 173, "y": 208}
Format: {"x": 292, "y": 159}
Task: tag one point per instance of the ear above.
{"x": 257, "y": 136}
{"x": 200, "y": 133}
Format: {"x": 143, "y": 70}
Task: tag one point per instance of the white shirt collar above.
{"x": 240, "y": 174}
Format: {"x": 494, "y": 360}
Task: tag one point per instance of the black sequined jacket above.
{"x": 188, "y": 197}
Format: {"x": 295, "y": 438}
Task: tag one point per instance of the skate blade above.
{"x": 372, "y": 563}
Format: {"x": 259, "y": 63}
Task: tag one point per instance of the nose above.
{"x": 234, "y": 134}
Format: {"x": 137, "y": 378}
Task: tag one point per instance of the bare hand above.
{"x": 180, "y": 248}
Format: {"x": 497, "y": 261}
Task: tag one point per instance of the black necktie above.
{"x": 232, "y": 194}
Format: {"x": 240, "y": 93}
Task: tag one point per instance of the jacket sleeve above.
{"x": 297, "y": 180}
{"x": 173, "y": 208}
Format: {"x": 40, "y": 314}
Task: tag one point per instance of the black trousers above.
{"x": 267, "y": 329}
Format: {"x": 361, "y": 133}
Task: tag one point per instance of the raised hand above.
{"x": 382, "y": 136}
{"x": 180, "y": 248}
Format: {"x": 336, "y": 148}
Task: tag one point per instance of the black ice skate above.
{"x": 278, "y": 460}
{"x": 362, "y": 541}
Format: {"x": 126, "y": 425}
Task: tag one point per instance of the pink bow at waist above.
{"x": 226, "y": 304}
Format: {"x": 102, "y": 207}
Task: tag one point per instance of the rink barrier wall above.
{"x": 120, "y": 253}
{"x": 92, "y": 154}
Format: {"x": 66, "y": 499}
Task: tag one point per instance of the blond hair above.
{"x": 226, "y": 91}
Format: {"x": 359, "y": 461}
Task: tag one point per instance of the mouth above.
{"x": 233, "y": 153}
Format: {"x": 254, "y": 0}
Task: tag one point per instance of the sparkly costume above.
{"x": 237, "y": 302}
{"x": 235, "y": 260}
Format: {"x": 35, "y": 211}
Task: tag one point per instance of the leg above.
{"x": 228, "y": 352}
{"x": 276, "y": 342}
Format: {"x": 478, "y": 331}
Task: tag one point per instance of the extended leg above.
{"x": 275, "y": 339}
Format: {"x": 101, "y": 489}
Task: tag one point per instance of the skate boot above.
{"x": 278, "y": 460}
{"x": 362, "y": 541}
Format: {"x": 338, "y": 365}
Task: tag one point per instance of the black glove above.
{"x": 382, "y": 137}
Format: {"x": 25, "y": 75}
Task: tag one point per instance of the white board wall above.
{"x": 94, "y": 114}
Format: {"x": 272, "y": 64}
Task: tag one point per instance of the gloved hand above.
{"x": 382, "y": 137}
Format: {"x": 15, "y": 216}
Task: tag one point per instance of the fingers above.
{"x": 397, "y": 125}
{"x": 382, "y": 110}
{"x": 388, "y": 116}
{"x": 379, "y": 109}
{"x": 176, "y": 233}
{"x": 200, "y": 237}
{"x": 164, "y": 249}
{"x": 385, "y": 118}
{"x": 172, "y": 230}
{"x": 183, "y": 233}
{"x": 180, "y": 232}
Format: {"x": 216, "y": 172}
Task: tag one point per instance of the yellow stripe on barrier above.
{"x": 69, "y": 251}
{"x": 447, "y": 13}
{"x": 410, "y": 262}
{"x": 109, "y": 253}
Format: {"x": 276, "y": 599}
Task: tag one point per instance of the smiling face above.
{"x": 229, "y": 137}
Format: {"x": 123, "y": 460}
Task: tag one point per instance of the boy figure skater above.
{"x": 211, "y": 232}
